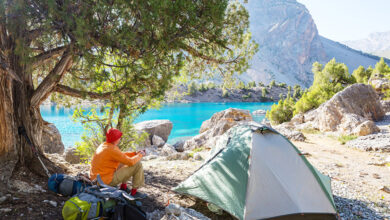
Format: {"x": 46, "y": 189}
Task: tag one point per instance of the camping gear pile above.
{"x": 256, "y": 173}
{"x": 93, "y": 200}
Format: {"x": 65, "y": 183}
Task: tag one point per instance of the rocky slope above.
{"x": 289, "y": 43}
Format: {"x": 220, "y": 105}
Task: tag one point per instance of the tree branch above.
{"x": 43, "y": 57}
{"x": 66, "y": 90}
{"x": 196, "y": 53}
{"x": 47, "y": 85}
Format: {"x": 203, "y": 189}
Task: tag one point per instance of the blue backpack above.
{"x": 67, "y": 185}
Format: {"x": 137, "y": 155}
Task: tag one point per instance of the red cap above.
{"x": 113, "y": 135}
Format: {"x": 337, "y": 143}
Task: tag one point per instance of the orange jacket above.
{"x": 106, "y": 160}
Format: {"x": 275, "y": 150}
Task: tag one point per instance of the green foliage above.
{"x": 281, "y": 112}
{"x": 264, "y": 92}
{"x": 272, "y": 84}
{"x": 249, "y": 95}
{"x": 261, "y": 84}
{"x": 289, "y": 89}
{"x": 283, "y": 85}
{"x": 252, "y": 84}
{"x": 345, "y": 138}
{"x": 329, "y": 80}
{"x": 192, "y": 89}
{"x": 362, "y": 75}
{"x": 125, "y": 53}
{"x": 241, "y": 85}
{"x": 382, "y": 68}
{"x": 203, "y": 87}
{"x": 211, "y": 85}
{"x": 225, "y": 92}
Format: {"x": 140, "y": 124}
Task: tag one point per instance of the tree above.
{"x": 362, "y": 75}
{"x": 328, "y": 80}
{"x": 126, "y": 53}
{"x": 241, "y": 85}
{"x": 272, "y": 84}
{"x": 382, "y": 68}
{"x": 192, "y": 88}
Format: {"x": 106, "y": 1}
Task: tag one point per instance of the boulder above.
{"x": 72, "y": 156}
{"x": 179, "y": 146}
{"x": 51, "y": 139}
{"x": 259, "y": 112}
{"x": 168, "y": 150}
{"x": 289, "y": 132}
{"x": 161, "y": 128}
{"x": 386, "y": 105}
{"x": 157, "y": 141}
{"x": 216, "y": 126}
{"x": 379, "y": 83}
{"x": 345, "y": 111}
{"x": 366, "y": 128}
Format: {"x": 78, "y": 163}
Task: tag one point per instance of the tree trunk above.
{"x": 15, "y": 111}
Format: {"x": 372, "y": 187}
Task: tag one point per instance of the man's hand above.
{"x": 142, "y": 152}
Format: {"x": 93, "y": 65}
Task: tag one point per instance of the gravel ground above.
{"x": 357, "y": 178}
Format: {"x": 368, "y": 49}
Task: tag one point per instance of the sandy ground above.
{"x": 360, "y": 170}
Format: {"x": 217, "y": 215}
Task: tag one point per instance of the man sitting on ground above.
{"x": 115, "y": 166}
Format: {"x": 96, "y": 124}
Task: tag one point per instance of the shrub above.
{"x": 261, "y": 84}
{"x": 345, "y": 138}
{"x": 281, "y": 112}
{"x": 225, "y": 92}
{"x": 241, "y": 85}
{"x": 203, "y": 87}
{"x": 283, "y": 85}
{"x": 252, "y": 84}
{"x": 264, "y": 92}
{"x": 249, "y": 95}
{"x": 192, "y": 88}
{"x": 272, "y": 83}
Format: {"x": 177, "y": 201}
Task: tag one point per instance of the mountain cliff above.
{"x": 289, "y": 44}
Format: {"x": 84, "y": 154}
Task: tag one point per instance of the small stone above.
{"x": 386, "y": 189}
{"x": 376, "y": 176}
{"x": 197, "y": 156}
{"x": 5, "y": 210}
{"x": 2, "y": 199}
{"x": 173, "y": 209}
{"x": 53, "y": 203}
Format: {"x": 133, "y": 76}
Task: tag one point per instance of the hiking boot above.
{"x": 140, "y": 195}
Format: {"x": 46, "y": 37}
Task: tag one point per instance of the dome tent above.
{"x": 256, "y": 173}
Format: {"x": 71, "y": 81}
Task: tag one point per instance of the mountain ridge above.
{"x": 289, "y": 43}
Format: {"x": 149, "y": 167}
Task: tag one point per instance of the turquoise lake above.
{"x": 186, "y": 118}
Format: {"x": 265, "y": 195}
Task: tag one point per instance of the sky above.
{"x": 342, "y": 20}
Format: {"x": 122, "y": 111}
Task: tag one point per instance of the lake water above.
{"x": 186, "y": 118}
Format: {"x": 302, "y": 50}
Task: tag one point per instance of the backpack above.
{"x": 67, "y": 185}
{"x": 95, "y": 202}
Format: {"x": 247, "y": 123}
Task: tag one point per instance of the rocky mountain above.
{"x": 289, "y": 43}
{"x": 376, "y": 43}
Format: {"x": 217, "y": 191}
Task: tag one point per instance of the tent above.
{"x": 256, "y": 173}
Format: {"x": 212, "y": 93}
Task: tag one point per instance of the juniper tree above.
{"x": 124, "y": 52}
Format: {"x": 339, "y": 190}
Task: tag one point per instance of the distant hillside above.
{"x": 289, "y": 43}
{"x": 376, "y": 43}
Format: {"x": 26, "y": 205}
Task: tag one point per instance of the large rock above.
{"x": 217, "y": 125}
{"x": 345, "y": 111}
{"x": 386, "y": 105}
{"x": 161, "y": 128}
{"x": 51, "y": 140}
{"x": 366, "y": 128}
{"x": 379, "y": 83}
{"x": 289, "y": 132}
{"x": 158, "y": 141}
{"x": 72, "y": 156}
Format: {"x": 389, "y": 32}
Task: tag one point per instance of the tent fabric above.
{"x": 279, "y": 174}
{"x": 259, "y": 174}
{"x": 223, "y": 180}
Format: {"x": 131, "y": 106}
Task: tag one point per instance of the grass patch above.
{"x": 345, "y": 138}
{"x": 310, "y": 131}
{"x": 196, "y": 150}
